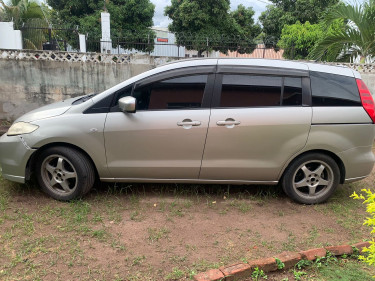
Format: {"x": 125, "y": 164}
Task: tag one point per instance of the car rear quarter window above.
{"x": 292, "y": 93}
{"x": 333, "y": 90}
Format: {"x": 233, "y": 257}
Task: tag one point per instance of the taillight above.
{"x": 366, "y": 98}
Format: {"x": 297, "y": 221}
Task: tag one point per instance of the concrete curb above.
{"x": 290, "y": 259}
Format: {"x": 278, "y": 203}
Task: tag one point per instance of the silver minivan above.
{"x": 307, "y": 126}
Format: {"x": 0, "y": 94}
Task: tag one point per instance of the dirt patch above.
{"x": 159, "y": 232}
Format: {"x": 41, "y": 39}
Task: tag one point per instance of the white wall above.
{"x": 10, "y": 38}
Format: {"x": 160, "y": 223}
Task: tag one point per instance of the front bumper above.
{"x": 14, "y": 155}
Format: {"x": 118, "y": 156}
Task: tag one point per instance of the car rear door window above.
{"x": 333, "y": 90}
{"x": 250, "y": 91}
{"x": 173, "y": 94}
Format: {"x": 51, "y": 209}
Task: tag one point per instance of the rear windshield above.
{"x": 333, "y": 90}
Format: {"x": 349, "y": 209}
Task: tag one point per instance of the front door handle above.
{"x": 229, "y": 123}
{"x": 188, "y": 123}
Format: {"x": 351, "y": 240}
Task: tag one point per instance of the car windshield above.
{"x": 83, "y": 99}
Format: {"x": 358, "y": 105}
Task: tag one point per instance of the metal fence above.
{"x": 38, "y": 35}
{"x": 66, "y": 38}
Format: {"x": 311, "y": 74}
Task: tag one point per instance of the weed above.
{"x": 244, "y": 260}
{"x": 203, "y": 265}
{"x": 136, "y": 216}
{"x": 101, "y": 234}
{"x": 138, "y": 260}
{"x": 258, "y": 274}
{"x": 175, "y": 274}
{"x": 314, "y": 233}
{"x": 97, "y": 218}
{"x": 155, "y": 234}
{"x": 325, "y": 261}
{"x": 178, "y": 259}
{"x": 190, "y": 247}
{"x": 241, "y": 205}
{"x": 280, "y": 264}
{"x": 303, "y": 263}
{"x": 290, "y": 245}
{"x": 298, "y": 274}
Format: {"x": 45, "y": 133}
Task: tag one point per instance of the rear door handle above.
{"x": 229, "y": 122}
{"x": 188, "y": 123}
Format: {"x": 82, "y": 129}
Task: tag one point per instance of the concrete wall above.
{"x": 26, "y": 85}
{"x": 369, "y": 79}
{"x": 29, "y": 84}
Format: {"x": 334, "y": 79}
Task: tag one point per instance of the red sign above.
{"x": 162, "y": 40}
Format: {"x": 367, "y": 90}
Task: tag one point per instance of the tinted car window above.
{"x": 292, "y": 94}
{"x": 333, "y": 90}
{"x": 249, "y": 91}
{"x": 120, "y": 94}
{"x": 102, "y": 106}
{"x": 177, "y": 93}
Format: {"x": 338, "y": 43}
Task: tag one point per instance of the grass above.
{"x": 136, "y": 232}
{"x": 343, "y": 270}
{"x": 155, "y": 234}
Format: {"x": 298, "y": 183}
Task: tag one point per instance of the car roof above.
{"x": 300, "y": 65}
{"x": 269, "y": 63}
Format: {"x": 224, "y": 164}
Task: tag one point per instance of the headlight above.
{"x": 21, "y": 128}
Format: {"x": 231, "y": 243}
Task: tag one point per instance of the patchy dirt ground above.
{"x": 163, "y": 232}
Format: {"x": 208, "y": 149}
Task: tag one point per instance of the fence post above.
{"x": 50, "y": 34}
{"x": 82, "y": 43}
{"x": 207, "y": 47}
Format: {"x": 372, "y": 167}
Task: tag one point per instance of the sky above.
{"x": 258, "y": 5}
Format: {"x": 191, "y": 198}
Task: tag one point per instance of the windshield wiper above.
{"x": 83, "y": 99}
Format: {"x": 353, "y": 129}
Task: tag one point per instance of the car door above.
{"x": 257, "y": 124}
{"x": 165, "y": 138}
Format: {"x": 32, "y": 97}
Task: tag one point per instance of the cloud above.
{"x": 159, "y": 18}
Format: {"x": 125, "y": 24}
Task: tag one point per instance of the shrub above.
{"x": 368, "y": 199}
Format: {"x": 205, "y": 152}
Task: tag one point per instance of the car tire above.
{"x": 311, "y": 178}
{"x": 64, "y": 173}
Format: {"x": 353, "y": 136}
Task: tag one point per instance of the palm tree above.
{"x": 26, "y": 12}
{"x": 20, "y": 11}
{"x": 356, "y": 38}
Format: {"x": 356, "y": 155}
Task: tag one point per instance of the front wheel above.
{"x": 64, "y": 173}
{"x": 311, "y": 178}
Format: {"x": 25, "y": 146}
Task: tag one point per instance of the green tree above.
{"x": 209, "y": 25}
{"x": 130, "y": 19}
{"x": 355, "y": 38}
{"x": 288, "y": 12}
{"x": 244, "y": 17}
{"x": 298, "y": 40}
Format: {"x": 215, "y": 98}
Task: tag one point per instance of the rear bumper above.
{"x": 14, "y": 155}
{"x": 358, "y": 162}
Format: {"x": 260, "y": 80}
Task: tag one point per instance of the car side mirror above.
{"x": 127, "y": 104}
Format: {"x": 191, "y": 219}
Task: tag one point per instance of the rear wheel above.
{"x": 311, "y": 178}
{"x": 64, "y": 173}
